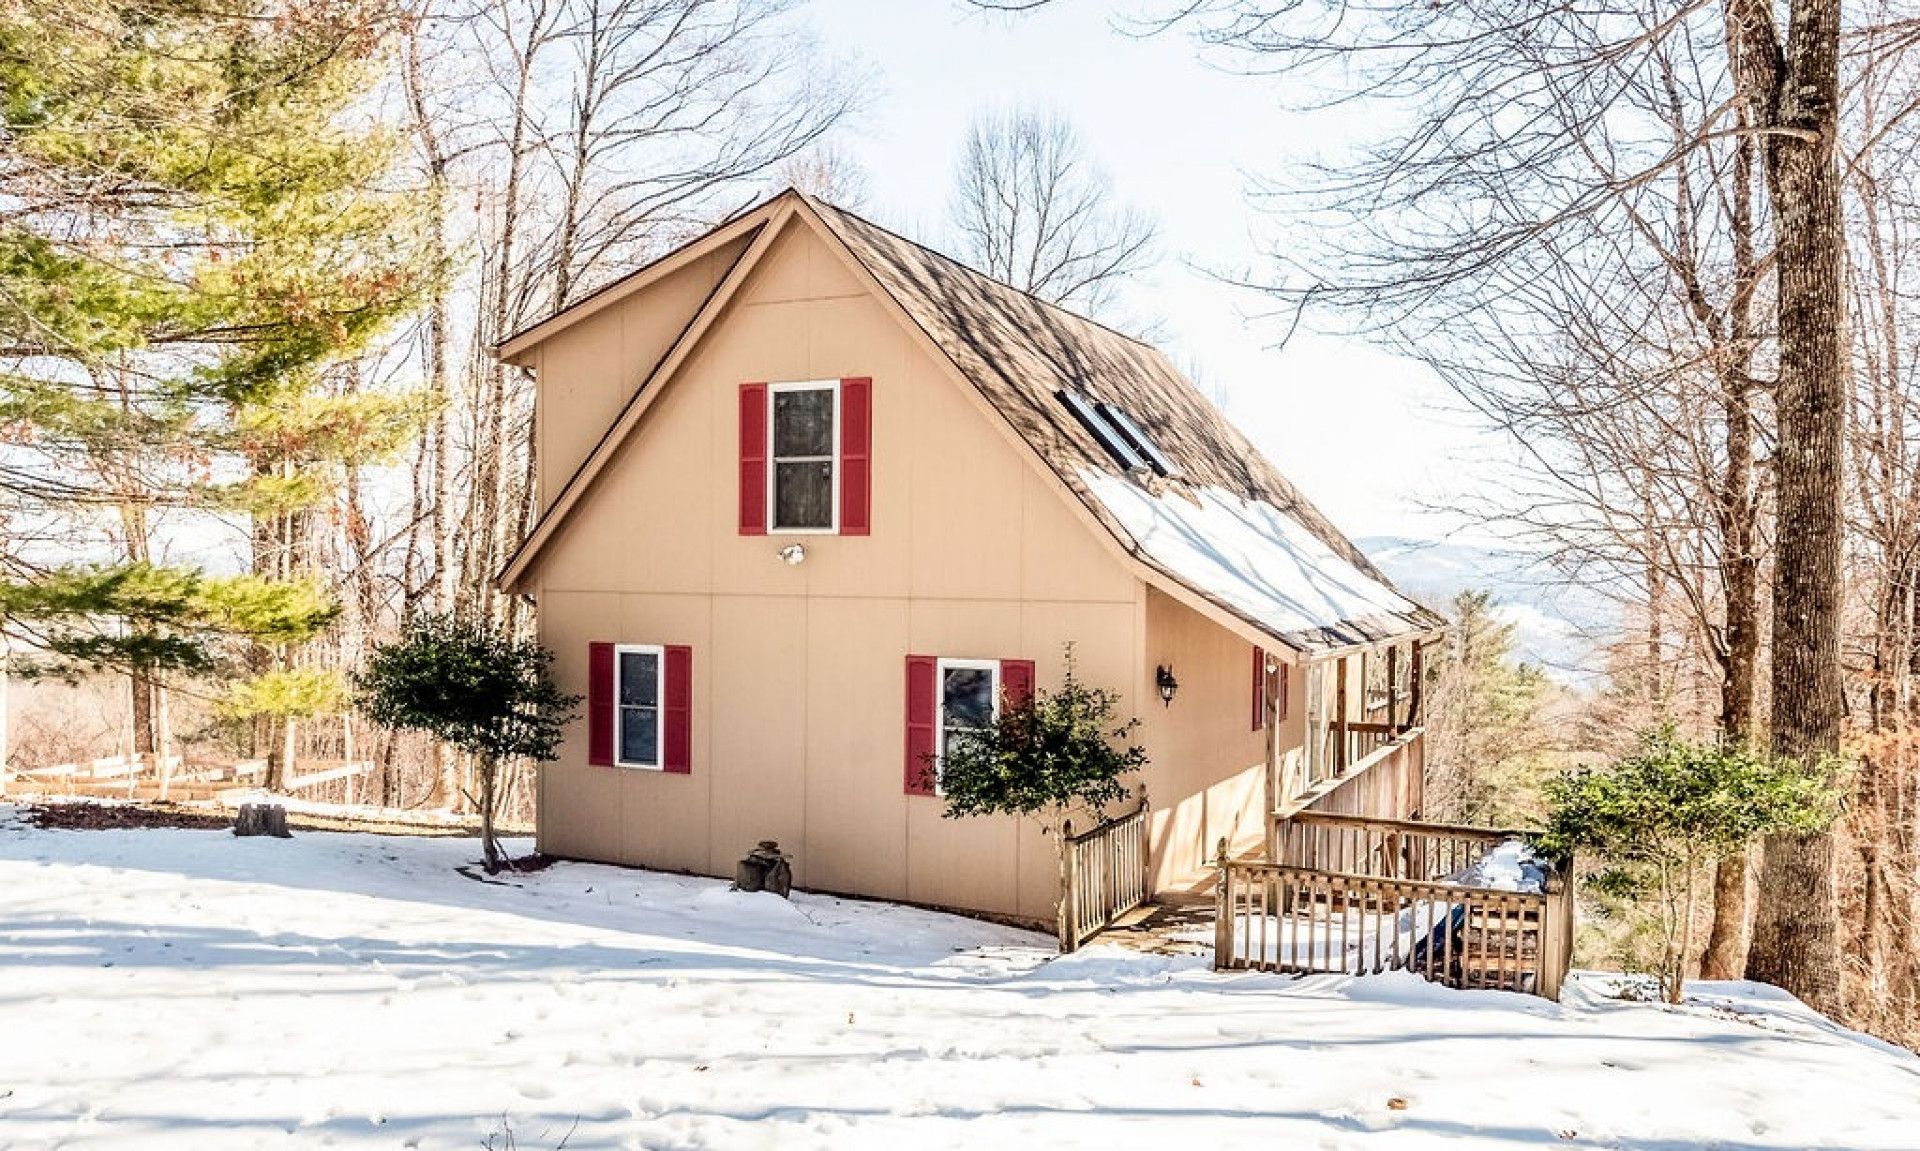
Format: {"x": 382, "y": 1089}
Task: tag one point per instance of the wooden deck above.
{"x": 1358, "y": 895}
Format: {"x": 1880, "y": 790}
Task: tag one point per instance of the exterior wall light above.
{"x": 793, "y": 554}
{"x": 1163, "y": 679}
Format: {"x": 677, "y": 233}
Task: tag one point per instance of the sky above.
{"x": 1375, "y": 440}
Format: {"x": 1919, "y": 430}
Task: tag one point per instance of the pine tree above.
{"x": 199, "y": 234}
{"x": 1485, "y": 748}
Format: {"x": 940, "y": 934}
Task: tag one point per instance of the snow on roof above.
{"x": 1258, "y": 562}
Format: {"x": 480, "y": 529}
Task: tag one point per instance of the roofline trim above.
{"x": 642, "y": 399}
{"x": 519, "y": 343}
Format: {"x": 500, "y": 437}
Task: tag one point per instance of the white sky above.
{"x": 1360, "y": 430}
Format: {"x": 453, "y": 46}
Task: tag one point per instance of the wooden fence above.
{"x": 1103, "y": 875}
{"x": 1356, "y": 895}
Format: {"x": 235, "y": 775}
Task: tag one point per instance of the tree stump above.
{"x": 262, "y": 819}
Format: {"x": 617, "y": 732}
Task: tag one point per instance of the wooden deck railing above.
{"x": 1390, "y": 782}
{"x": 1389, "y": 848}
{"x": 1302, "y": 921}
{"x": 1360, "y": 895}
{"x": 1103, "y": 875}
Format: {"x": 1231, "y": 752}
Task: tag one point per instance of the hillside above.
{"x": 1558, "y": 625}
{"x": 184, "y": 989}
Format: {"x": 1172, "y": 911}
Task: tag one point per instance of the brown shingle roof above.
{"x": 1021, "y": 351}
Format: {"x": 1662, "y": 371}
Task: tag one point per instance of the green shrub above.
{"x": 474, "y": 686}
{"x": 1050, "y": 755}
{"x": 1657, "y": 819}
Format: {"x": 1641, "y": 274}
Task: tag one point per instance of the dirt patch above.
{"x": 121, "y": 816}
{"x": 83, "y": 815}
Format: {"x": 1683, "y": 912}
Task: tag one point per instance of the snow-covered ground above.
{"x": 189, "y": 990}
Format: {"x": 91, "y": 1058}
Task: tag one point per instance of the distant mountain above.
{"x": 1559, "y": 626}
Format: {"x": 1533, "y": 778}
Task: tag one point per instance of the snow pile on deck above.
{"x": 1511, "y": 866}
{"x": 178, "y": 990}
{"x": 1246, "y": 554}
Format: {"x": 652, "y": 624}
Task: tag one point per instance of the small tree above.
{"x": 1659, "y": 818}
{"x": 474, "y": 686}
{"x": 1044, "y": 756}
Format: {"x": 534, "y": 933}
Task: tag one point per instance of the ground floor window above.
{"x": 969, "y": 698}
{"x": 636, "y": 696}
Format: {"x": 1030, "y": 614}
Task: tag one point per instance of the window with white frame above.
{"x": 804, "y": 472}
{"x": 969, "y": 698}
{"x": 636, "y": 695}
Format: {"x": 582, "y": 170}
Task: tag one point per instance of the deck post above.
{"x": 1340, "y": 749}
{"x": 1223, "y": 913}
{"x": 1546, "y": 982}
{"x": 1270, "y": 723}
{"x": 1416, "y": 678}
{"x": 1393, "y": 690}
{"x": 1069, "y": 912}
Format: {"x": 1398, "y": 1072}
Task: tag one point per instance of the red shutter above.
{"x": 1016, "y": 681}
{"x": 677, "y": 716}
{"x": 753, "y": 459}
{"x": 923, "y": 712}
{"x": 1259, "y": 689}
{"x": 600, "y": 704}
{"x": 856, "y": 457}
{"x": 1280, "y": 688}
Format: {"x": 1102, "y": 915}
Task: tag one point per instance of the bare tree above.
{"x": 558, "y": 144}
{"x": 1790, "y": 87}
{"x": 828, "y": 172}
{"x": 1495, "y": 165}
{"x": 1033, "y": 210}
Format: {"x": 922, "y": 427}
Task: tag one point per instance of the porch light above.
{"x": 1163, "y": 679}
{"x": 793, "y": 554}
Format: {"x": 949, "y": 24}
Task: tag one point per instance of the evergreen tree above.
{"x": 1486, "y": 750}
{"x": 198, "y": 234}
{"x": 1661, "y": 817}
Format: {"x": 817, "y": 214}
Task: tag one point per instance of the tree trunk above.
{"x": 489, "y": 788}
{"x": 142, "y": 708}
{"x": 1726, "y": 953}
{"x": 163, "y": 721}
{"x": 6, "y": 730}
{"x": 1792, "y": 92}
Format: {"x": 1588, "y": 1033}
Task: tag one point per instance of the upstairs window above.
{"x": 806, "y": 457}
{"x": 805, "y": 466}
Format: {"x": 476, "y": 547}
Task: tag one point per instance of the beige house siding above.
{"x": 799, "y": 671}
{"x": 1208, "y": 776}
{"x": 587, "y": 372}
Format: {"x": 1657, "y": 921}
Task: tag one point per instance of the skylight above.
{"x": 1141, "y": 444}
{"x": 1119, "y": 433}
{"x": 1109, "y": 436}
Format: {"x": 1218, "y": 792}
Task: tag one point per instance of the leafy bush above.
{"x": 1658, "y": 818}
{"x": 476, "y": 687}
{"x": 1045, "y": 756}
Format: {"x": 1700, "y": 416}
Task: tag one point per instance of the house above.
{"x": 813, "y": 498}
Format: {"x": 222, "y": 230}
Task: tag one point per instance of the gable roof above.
{"x": 1230, "y": 536}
